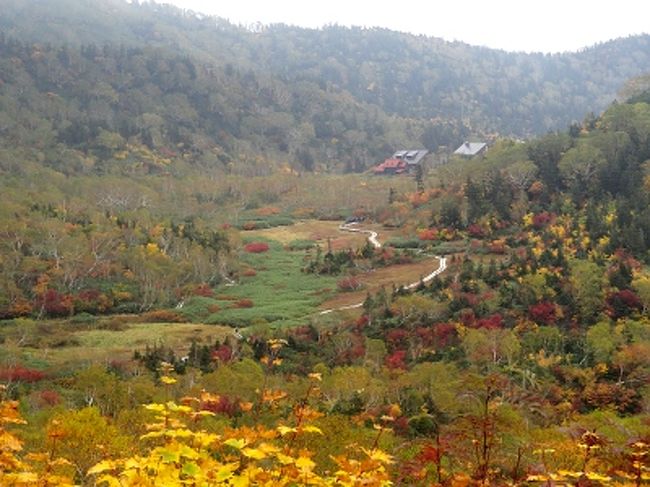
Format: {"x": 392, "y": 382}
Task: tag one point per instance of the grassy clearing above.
{"x": 283, "y": 295}
{"x": 280, "y": 292}
{"x": 102, "y": 346}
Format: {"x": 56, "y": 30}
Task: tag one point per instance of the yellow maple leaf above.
{"x": 305, "y": 464}
{"x": 102, "y": 466}
{"x": 285, "y": 430}
{"x": 254, "y": 453}
{"x": 312, "y": 429}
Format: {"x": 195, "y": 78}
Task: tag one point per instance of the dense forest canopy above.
{"x": 402, "y": 75}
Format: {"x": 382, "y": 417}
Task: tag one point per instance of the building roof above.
{"x": 470, "y": 148}
{"x": 397, "y": 165}
{"x": 411, "y": 156}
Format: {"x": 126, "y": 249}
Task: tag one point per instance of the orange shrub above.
{"x": 497, "y": 246}
{"x": 243, "y": 303}
{"x": 418, "y": 199}
{"x": 203, "y": 290}
{"x": 268, "y": 211}
{"x": 161, "y": 316}
{"x": 303, "y": 213}
{"x": 428, "y": 234}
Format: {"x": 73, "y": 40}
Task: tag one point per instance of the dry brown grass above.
{"x": 316, "y": 230}
{"x": 387, "y": 276}
{"x": 319, "y": 231}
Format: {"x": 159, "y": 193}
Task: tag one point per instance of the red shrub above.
{"x": 222, "y": 405}
{"x": 222, "y": 354}
{"x": 491, "y": 322}
{"x": 397, "y": 337}
{"x": 256, "y": 247}
{"x": 92, "y": 301}
{"x": 249, "y": 226}
{"x": 349, "y": 284}
{"x": 250, "y": 272}
{"x": 476, "y": 231}
{"x": 542, "y": 219}
{"x": 214, "y": 308}
{"x": 396, "y": 360}
{"x": 203, "y": 290}
{"x": 86, "y": 300}
{"x": 56, "y": 304}
{"x": 361, "y": 322}
{"x": 18, "y": 373}
{"x": 244, "y": 303}
{"x": 444, "y": 334}
{"x": 401, "y": 426}
{"x": 425, "y": 334}
{"x": 543, "y": 313}
{"x": 49, "y": 397}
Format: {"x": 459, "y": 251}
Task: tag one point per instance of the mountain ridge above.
{"x": 332, "y": 98}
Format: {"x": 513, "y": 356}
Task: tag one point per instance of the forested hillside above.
{"x": 90, "y": 103}
{"x": 408, "y": 76}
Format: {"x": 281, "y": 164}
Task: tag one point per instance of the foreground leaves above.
{"x": 240, "y": 457}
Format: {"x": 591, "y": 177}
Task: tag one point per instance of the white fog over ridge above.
{"x": 551, "y": 26}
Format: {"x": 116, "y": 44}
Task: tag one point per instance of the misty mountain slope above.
{"x": 413, "y": 76}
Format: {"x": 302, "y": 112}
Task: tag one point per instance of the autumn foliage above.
{"x": 256, "y": 247}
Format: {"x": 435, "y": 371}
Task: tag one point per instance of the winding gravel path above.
{"x": 349, "y": 227}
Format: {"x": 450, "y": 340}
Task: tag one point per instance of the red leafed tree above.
{"x": 397, "y": 338}
{"x": 542, "y": 219}
{"x": 543, "y": 313}
{"x": 491, "y": 322}
{"x": 54, "y": 303}
{"x": 623, "y": 303}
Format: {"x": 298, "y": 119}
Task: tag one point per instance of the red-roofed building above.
{"x": 391, "y": 166}
{"x": 402, "y": 162}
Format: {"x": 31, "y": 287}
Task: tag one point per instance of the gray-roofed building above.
{"x": 412, "y": 157}
{"x": 471, "y": 149}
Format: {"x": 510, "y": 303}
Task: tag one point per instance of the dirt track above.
{"x": 372, "y": 238}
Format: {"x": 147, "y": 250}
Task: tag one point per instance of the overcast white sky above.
{"x": 514, "y": 25}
